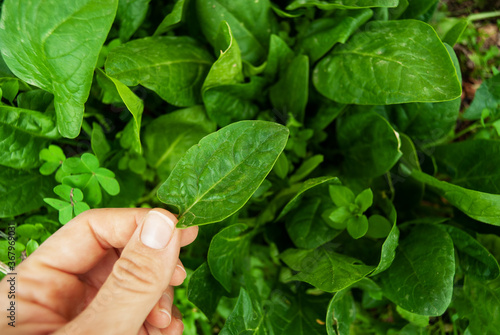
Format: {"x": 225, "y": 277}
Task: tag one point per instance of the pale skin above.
{"x": 95, "y": 276}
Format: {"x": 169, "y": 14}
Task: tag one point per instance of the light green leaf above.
{"x": 325, "y": 269}
{"x": 24, "y": 134}
{"x": 416, "y": 319}
{"x": 342, "y": 4}
{"x": 58, "y": 53}
{"x": 453, "y": 35}
{"x": 107, "y": 181}
{"x": 135, "y": 106}
{"x": 204, "y": 291}
{"x": 323, "y": 33}
{"x": 163, "y": 149}
{"x": 339, "y": 217}
{"x": 130, "y": 15}
{"x": 308, "y": 166}
{"x": 226, "y": 97}
{"x": 281, "y": 166}
{"x": 379, "y": 226}
{"x": 364, "y": 200}
{"x": 341, "y": 313}
{"x": 420, "y": 279}
{"x": 481, "y": 206}
{"x": 31, "y": 246}
{"x": 22, "y": 191}
{"x": 369, "y": 144}
{"x": 232, "y": 162}
{"x": 357, "y": 226}
{"x": 173, "y": 67}
{"x": 100, "y": 145}
{"x": 172, "y": 19}
{"x": 252, "y": 23}
{"x": 387, "y": 63}
{"x": 227, "y": 247}
{"x": 341, "y": 195}
{"x": 475, "y": 259}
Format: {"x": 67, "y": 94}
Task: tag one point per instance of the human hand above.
{"x": 107, "y": 271}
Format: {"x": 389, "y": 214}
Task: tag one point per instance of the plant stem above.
{"x": 4, "y": 268}
{"x": 483, "y": 16}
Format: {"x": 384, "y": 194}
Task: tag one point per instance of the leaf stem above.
{"x": 483, "y": 16}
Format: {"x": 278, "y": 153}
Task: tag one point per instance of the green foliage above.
{"x": 320, "y": 145}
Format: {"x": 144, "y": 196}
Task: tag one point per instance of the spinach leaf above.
{"x": 24, "y": 133}
{"x": 344, "y": 4}
{"x": 59, "y": 53}
{"x": 420, "y": 279}
{"x": 204, "y": 290}
{"x": 172, "y": 19}
{"x": 387, "y": 64}
{"x": 130, "y": 15}
{"x": 173, "y": 67}
{"x": 341, "y": 313}
{"x": 231, "y": 162}
{"x": 487, "y": 97}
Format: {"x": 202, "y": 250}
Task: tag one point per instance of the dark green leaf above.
{"x": 420, "y": 279}
{"x": 322, "y": 34}
{"x": 24, "y": 133}
{"x": 173, "y": 67}
{"x": 163, "y": 149}
{"x": 204, "y": 291}
{"x": 486, "y": 97}
{"x": 343, "y": 4}
{"x": 22, "y": 191}
{"x": 418, "y": 8}
{"x": 308, "y": 166}
{"x": 369, "y": 144}
{"x": 252, "y": 23}
{"x": 232, "y": 162}
{"x": 357, "y": 226}
{"x": 453, "y": 35}
{"x": 130, "y": 15}
{"x": 325, "y": 269}
{"x": 341, "y": 313}
{"x": 227, "y": 248}
{"x": 172, "y": 19}
{"x": 57, "y": 53}
{"x": 100, "y": 145}
{"x": 37, "y": 100}
{"x": 386, "y": 64}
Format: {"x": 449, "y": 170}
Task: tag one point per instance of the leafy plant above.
{"x": 315, "y": 143}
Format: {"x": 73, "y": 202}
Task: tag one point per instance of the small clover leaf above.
{"x": 357, "y": 226}
{"x": 379, "y": 227}
{"x": 341, "y": 195}
{"x": 364, "y": 200}
{"x": 53, "y": 157}
{"x": 71, "y": 205}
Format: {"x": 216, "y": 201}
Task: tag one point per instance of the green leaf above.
{"x": 339, "y": 217}
{"x": 251, "y": 22}
{"x": 107, "y": 181}
{"x": 341, "y": 313}
{"x": 294, "y": 79}
{"x": 357, "y": 226}
{"x": 246, "y": 317}
{"x": 306, "y": 226}
{"x": 279, "y": 55}
{"x": 479, "y": 302}
{"x": 416, "y": 319}
{"x": 418, "y": 8}
{"x": 486, "y": 97}
{"x": 308, "y": 166}
{"x": 386, "y": 64}
{"x": 172, "y": 19}
{"x": 322, "y": 34}
{"x": 22, "y": 191}
{"x": 369, "y": 144}
{"x": 227, "y": 248}
{"x": 379, "y": 226}
{"x": 341, "y": 195}
{"x": 163, "y": 149}
{"x": 420, "y": 279}
{"x": 281, "y": 167}
{"x": 475, "y": 259}
{"x": 31, "y": 246}
{"x": 100, "y": 145}
{"x": 364, "y": 200}
{"x": 325, "y": 269}
{"x": 204, "y": 291}
{"x": 342, "y": 4}
{"x": 173, "y": 67}
{"x": 232, "y": 162}
{"x": 453, "y": 35}
{"x": 468, "y": 166}
{"x": 135, "y": 106}
{"x": 57, "y": 53}
{"x": 304, "y": 187}
{"x": 480, "y": 206}
{"x": 24, "y": 134}
{"x": 226, "y": 97}
{"x": 130, "y": 15}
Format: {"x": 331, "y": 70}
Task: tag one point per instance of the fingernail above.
{"x": 165, "y": 305}
{"x": 182, "y": 268}
{"x": 157, "y": 230}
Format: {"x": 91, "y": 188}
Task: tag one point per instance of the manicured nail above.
{"x": 157, "y": 230}
{"x": 165, "y": 305}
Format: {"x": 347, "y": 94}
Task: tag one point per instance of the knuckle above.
{"x": 130, "y": 274}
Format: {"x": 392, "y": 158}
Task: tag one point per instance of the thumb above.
{"x": 137, "y": 281}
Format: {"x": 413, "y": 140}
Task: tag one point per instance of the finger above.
{"x": 179, "y": 274}
{"x": 176, "y": 326}
{"x": 189, "y": 235}
{"x": 161, "y": 315}
{"x": 91, "y": 234}
{"x": 138, "y": 280}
